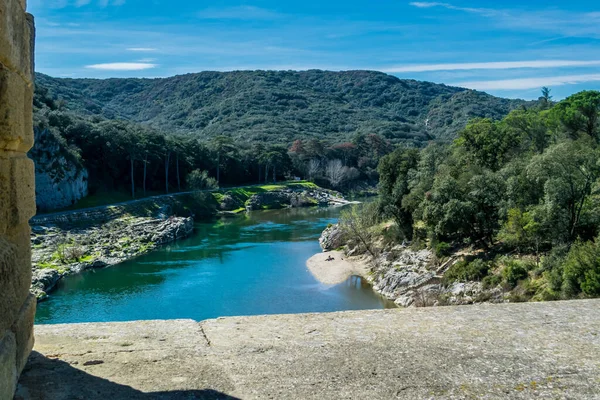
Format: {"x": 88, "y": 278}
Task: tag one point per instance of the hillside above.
{"x": 280, "y": 106}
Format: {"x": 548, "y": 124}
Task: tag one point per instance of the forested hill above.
{"x": 281, "y": 106}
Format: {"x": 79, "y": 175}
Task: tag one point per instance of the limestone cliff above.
{"x": 61, "y": 179}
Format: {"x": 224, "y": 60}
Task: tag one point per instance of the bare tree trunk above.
{"x": 274, "y": 173}
{"x": 167, "y": 159}
{"x": 132, "y": 181}
{"x": 219, "y": 167}
{"x": 145, "y": 168}
{"x": 266, "y": 172}
{"x": 178, "y": 180}
{"x": 259, "y": 168}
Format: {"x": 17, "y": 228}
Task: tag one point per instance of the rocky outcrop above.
{"x": 58, "y": 252}
{"x": 293, "y": 198}
{"x": 61, "y": 179}
{"x": 332, "y": 238}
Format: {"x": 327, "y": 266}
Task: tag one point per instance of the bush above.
{"x": 491, "y": 281}
{"x": 442, "y": 249}
{"x": 582, "y": 270}
{"x": 464, "y": 271}
{"x": 513, "y": 272}
{"x": 199, "y": 180}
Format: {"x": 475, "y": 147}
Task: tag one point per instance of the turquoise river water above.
{"x": 249, "y": 265}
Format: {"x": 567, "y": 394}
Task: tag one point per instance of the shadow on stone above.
{"x": 52, "y": 379}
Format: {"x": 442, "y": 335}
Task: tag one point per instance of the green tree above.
{"x": 394, "y": 171}
{"x": 488, "y": 142}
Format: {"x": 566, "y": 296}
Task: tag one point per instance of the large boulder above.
{"x": 332, "y": 238}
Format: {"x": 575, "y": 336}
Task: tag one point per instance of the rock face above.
{"x": 331, "y": 238}
{"x": 61, "y": 179}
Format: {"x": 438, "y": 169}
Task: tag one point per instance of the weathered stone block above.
{"x": 8, "y": 370}
{"x": 17, "y": 199}
{"x": 23, "y": 331}
{"x": 15, "y": 275}
{"x": 15, "y": 34}
{"x": 9, "y": 299}
{"x": 16, "y": 130}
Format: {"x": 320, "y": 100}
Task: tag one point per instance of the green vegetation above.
{"x": 142, "y": 136}
{"x": 527, "y": 185}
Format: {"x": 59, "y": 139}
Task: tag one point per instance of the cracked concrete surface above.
{"x": 542, "y": 350}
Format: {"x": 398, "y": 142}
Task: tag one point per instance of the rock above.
{"x": 229, "y": 203}
{"x": 42, "y": 281}
{"x": 332, "y": 238}
{"x": 60, "y": 178}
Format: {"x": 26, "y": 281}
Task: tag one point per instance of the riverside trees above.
{"x": 530, "y": 183}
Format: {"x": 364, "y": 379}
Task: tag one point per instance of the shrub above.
{"x": 442, "y": 249}
{"x": 199, "y": 180}
{"x": 491, "y": 281}
{"x": 582, "y": 270}
{"x": 464, "y": 271}
{"x": 513, "y": 272}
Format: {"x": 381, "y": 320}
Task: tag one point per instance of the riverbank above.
{"x": 335, "y": 267}
{"x": 404, "y": 275}
{"x": 70, "y": 242}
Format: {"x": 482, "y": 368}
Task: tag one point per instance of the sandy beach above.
{"x": 337, "y": 270}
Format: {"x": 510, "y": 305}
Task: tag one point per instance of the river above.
{"x": 248, "y": 265}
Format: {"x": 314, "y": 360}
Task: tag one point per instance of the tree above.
{"x": 579, "y": 113}
{"x": 488, "y": 142}
{"x": 346, "y": 150}
{"x": 394, "y": 170}
{"x": 335, "y": 172}
{"x": 200, "y": 180}
{"x": 224, "y": 147}
{"x": 314, "y": 166}
{"x": 356, "y": 223}
{"x": 567, "y": 172}
{"x": 546, "y": 98}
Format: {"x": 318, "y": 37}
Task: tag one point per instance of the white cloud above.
{"x": 490, "y": 65}
{"x": 528, "y": 83}
{"x": 141, "y": 49}
{"x": 122, "y": 66}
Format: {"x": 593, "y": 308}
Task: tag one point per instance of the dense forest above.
{"x": 524, "y": 189}
{"x": 149, "y": 135}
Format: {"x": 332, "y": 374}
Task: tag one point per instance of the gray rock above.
{"x": 332, "y": 238}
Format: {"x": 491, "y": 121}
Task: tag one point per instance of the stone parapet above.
{"x": 17, "y": 195}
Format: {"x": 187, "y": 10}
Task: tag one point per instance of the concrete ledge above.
{"x": 522, "y": 351}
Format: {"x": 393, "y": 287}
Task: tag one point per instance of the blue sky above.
{"x": 509, "y": 48}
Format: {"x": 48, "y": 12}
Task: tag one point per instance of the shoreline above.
{"x": 69, "y": 243}
{"x": 337, "y": 270}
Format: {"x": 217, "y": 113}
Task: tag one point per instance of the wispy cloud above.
{"x": 528, "y": 83}
{"x": 567, "y": 23}
{"x": 490, "y": 65}
{"x": 142, "y": 49}
{"x": 122, "y": 66}
{"x": 484, "y": 11}
{"x": 239, "y": 13}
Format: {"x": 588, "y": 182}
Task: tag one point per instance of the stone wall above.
{"x": 17, "y": 196}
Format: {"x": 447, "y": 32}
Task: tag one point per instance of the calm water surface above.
{"x": 243, "y": 266}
